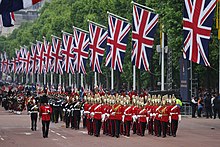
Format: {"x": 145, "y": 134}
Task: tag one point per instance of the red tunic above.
{"x": 157, "y": 111}
{"x": 119, "y": 110}
{"x": 128, "y": 113}
{"x": 86, "y": 109}
{"x": 45, "y": 112}
{"x": 98, "y": 111}
{"x": 175, "y": 112}
{"x": 165, "y": 114}
{"x": 142, "y": 114}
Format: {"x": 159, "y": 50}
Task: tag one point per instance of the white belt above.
{"x": 44, "y": 113}
{"x": 99, "y": 112}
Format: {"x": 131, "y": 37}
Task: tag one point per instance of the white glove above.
{"x": 92, "y": 113}
{"x": 81, "y": 111}
{"x": 64, "y": 110}
{"x": 170, "y": 119}
{"x": 160, "y": 115}
{"x": 134, "y": 118}
{"x": 103, "y": 117}
{"x": 151, "y": 114}
{"x": 123, "y": 118}
{"x": 113, "y": 113}
{"x": 180, "y": 117}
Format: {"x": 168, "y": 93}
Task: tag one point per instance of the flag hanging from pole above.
{"x": 47, "y": 56}
{"x": 197, "y": 26}
{"x": 98, "y": 39}
{"x": 57, "y": 56}
{"x": 143, "y": 31}
{"x": 25, "y": 59}
{"x": 33, "y": 59}
{"x": 67, "y": 52}
{"x": 80, "y": 49}
{"x": 40, "y": 57}
{"x": 117, "y": 39}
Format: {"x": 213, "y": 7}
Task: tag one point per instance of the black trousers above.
{"x": 193, "y": 110}
{"x": 33, "y": 121}
{"x": 117, "y": 127}
{"x": 216, "y": 111}
{"x": 157, "y": 127}
{"x": 150, "y": 126}
{"x": 45, "y": 128}
{"x": 134, "y": 128}
{"x": 76, "y": 115}
{"x": 127, "y": 126}
{"x": 208, "y": 111}
{"x": 56, "y": 114}
{"x": 98, "y": 124}
{"x": 84, "y": 121}
{"x": 112, "y": 128}
{"x": 174, "y": 126}
{"x": 142, "y": 128}
{"x": 199, "y": 112}
{"x": 164, "y": 128}
{"x": 67, "y": 119}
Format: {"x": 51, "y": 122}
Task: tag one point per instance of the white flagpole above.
{"x": 70, "y": 79}
{"x": 112, "y": 79}
{"x": 162, "y": 62}
{"x": 44, "y": 78}
{"x": 81, "y": 80}
{"x": 32, "y": 78}
{"x": 51, "y": 78}
{"x": 134, "y": 78}
{"x": 22, "y": 78}
{"x": 60, "y": 79}
{"x": 38, "y": 78}
{"x": 14, "y": 77}
{"x": 26, "y": 81}
{"x": 95, "y": 79}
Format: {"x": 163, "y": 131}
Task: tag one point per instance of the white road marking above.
{"x": 2, "y": 139}
{"x": 84, "y": 132}
{"x": 63, "y": 137}
{"x": 58, "y": 134}
{"x": 54, "y": 139}
{"x": 27, "y": 133}
{"x": 52, "y": 131}
{"x": 126, "y": 137}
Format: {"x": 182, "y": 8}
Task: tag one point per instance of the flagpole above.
{"x": 14, "y": 77}
{"x": 70, "y": 79}
{"x": 162, "y": 62}
{"x": 51, "y": 78}
{"x": 95, "y": 79}
{"x": 38, "y": 78}
{"x": 134, "y": 78}
{"x": 26, "y": 78}
{"x": 81, "y": 80}
{"x": 60, "y": 79}
{"x": 44, "y": 78}
{"x": 32, "y": 78}
{"x": 112, "y": 79}
{"x": 125, "y": 19}
{"x": 132, "y": 2}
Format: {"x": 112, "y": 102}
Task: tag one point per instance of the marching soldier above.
{"x": 45, "y": 112}
{"x": 175, "y": 118}
{"x": 164, "y": 115}
{"x": 142, "y": 117}
{"x": 77, "y": 114}
{"x": 127, "y": 118}
{"x": 33, "y": 109}
{"x": 157, "y": 119}
{"x": 134, "y": 116}
{"x": 67, "y": 111}
{"x": 118, "y": 112}
{"x": 97, "y": 117}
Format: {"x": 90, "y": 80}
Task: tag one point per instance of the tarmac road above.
{"x": 15, "y": 132}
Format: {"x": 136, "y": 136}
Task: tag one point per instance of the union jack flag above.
{"x": 67, "y": 52}
{"x": 5, "y": 63}
{"x": 40, "y": 57}
{"x": 33, "y": 59}
{"x": 144, "y": 28}
{"x": 80, "y": 49}
{"x": 98, "y": 38}
{"x": 14, "y": 63}
{"x": 20, "y": 57}
{"x": 47, "y": 56}
{"x": 57, "y": 56}
{"x": 197, "y": 24}
{"x": 25, "y": 59}
{"x": 116, "y": 42}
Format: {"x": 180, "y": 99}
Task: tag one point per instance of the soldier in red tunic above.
{"x": 142, "y": 118}
{"x": 97, "y": 116}
{"x": 127, "y": 118}
{"x": 175, "y": 117}
{"x": 164, "y": 114}
{"x": 45, "y": 112}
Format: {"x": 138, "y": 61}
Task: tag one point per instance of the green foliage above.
{"x": 63, "y": 14}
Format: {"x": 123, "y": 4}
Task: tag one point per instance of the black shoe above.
{"x": 164, "y": 136}
{"x": 117, "y": 136}
{"x": 174, "y": 135}
{"x": 32, "y": 129}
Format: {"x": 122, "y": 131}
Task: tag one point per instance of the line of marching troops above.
{"x": 118, "y": 115}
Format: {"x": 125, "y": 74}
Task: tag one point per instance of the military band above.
{"x": 112, "y": 114}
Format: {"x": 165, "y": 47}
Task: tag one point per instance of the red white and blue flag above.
{"x": 197, "y": 25}
{"x": 47, "y": 56}
{"x": 68, "y": 53}
{"x": 40, "y": 57}
{"x": 25, "y": 59}
{"x": 14, "y": 63}
{"x": 80, "y": 49}
{"x": 143, "y": 31}
{"x": 33, "y": 59}
{"x": 57, "y": 56}
{"x": 98, "y": 39}
{"x": 116, "y": 42}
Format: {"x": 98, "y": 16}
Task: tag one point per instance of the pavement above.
{"x": 15, "y": 132}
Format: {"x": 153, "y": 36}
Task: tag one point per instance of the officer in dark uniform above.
{"x": 77, "y": 115}
{"x": 57, "y": 106}
{"x": 67, "y": 112}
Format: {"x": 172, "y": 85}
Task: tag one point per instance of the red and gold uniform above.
{"x": 127, "y": 119}
{"x": 175, "y": 117}
{"x": 45, "y": 113}
{"x": 164, "y": 112}
{"x": 142, "y": 119}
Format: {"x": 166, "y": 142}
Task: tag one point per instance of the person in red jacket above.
{"x": 97, "y": 116}
{"x": 164, "y": 114}
{"x": 127, "y": 118}
{"x": 45, "y": 112}
{"x": 175, "y": 118}
{"x": 142, "y": 118}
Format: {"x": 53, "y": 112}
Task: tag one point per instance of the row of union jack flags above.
{"x": 70, "y": 53}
